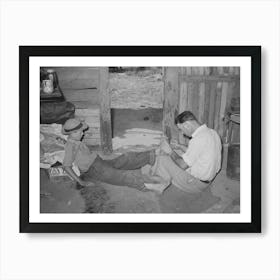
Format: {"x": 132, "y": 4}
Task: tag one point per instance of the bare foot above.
{"x": 157, "y": 187}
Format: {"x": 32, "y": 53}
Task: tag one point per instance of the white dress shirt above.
{"x": 203, "y": 155}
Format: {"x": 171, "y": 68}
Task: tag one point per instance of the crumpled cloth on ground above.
{"x": 51, "y": 138}
{"x": 52, "y": 143}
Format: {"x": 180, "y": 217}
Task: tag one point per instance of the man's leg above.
{"x": 104, "y": 172}
{"x": 166, "y": 168}
{"x": 133, "y": 160}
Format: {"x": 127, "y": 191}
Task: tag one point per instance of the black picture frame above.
{"x": 254, "y": 52}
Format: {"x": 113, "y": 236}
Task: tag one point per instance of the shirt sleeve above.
{"x": 193, "y": 152}
{"x": 69, "y": 155}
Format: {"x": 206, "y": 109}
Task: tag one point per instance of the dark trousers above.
{"x": 124, "y": 170}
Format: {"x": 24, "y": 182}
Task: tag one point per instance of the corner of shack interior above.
{"x": 130, "y": 109}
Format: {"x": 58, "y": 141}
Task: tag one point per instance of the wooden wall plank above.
{"x": 201, "y": 102}
{"x": 207, "y": 102}
{"x": 170, "y": 102}
{"x": 200, "y": 71}
{"x": 88, "y": 112}
{"x": 81, "y": 95}
{"x": 217, "y": 78}
{"x": 230, "y": 94}
{"x": 183, "y": 95}
{"x": 105, "y": 110}
{"x": 212, "y": 102}
{"x": 207, "y": 71}
{"x": 77, "y": 77}
{"x": 190, "y": 97}
{"x": 222, "y": 125}
{"x": 218, "y": 106}
{"x": 195, "y": 96}
{"x": 92, "y": 142}
{"x": 207, "y": 92}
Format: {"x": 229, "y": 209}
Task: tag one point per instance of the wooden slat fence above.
{"x": 206, "y": 91}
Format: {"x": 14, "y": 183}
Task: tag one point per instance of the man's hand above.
{"x": 87, "y": 184}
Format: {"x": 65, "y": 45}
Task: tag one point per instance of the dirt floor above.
{"x": 137, "y": 126}
{"x": 65, "y": 196}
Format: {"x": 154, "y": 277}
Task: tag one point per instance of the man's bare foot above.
{"x": 157, "y": 187}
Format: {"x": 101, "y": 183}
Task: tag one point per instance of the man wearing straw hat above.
{"x": 124, "y": 170}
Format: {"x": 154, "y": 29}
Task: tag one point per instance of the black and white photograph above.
{"x": 140, "y": 139}
{"x": 141, "y": 143}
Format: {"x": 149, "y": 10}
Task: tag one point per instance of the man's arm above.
{"x": 178, "y": 160}
{"x": 179, "y": 147}
{"x": 73, "y": 175}
{"x": 165, "y": 147}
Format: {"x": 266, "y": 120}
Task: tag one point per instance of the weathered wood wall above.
{"x": 206, "y": 91}
{"x": 105, "y": 111}
{"x": 170, "y": 101}
{"x": 80, "y": 85}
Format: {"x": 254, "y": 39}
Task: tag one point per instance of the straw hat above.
{"x": 72, "y": 125}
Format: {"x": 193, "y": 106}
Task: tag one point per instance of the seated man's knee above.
{"x": 164, "y": 158}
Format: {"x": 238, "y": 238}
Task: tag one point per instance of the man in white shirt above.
{"x": 200, "y": 162}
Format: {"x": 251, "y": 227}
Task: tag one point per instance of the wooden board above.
{"x": 207, "y": 102}
{"x": 201, "y": 102}
{"x": 212, "y": 102}
{"x": 77, "y": 77}
{"x": 217, "y": 106}
{"x": 88, "y": 112}
{"x": 195, "y": 97}
{"x": 81, "y": 95}
{"x": 170, "y": 102}
{"x": 105, "y": 111}
{"x": 183, "y": 95}
{"x": 92, "y": 142}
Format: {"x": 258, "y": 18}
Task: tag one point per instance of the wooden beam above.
{"x": 201, "y": 102}
{"x": 170, "y": 102}
{"x": 218, "y": 106}
{"x": 212, "y": 102}
{"x": 183, "y": 98}
{"x": 222, "y": 125}
{"x": 77, "y": 77}
{"x": 217, "y": 78}
{"x": 105, "y": 111}
{"x": 207, "y": 102}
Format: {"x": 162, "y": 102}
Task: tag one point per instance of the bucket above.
{"x": 233, "y": 162}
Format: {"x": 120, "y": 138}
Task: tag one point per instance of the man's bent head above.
{"x": 187, "y": 123}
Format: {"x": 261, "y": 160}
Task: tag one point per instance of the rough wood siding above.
{"x": 77, "y": 77}
{"x": 208, "y": 92}
{"x": 170, "y": 102}
{"x": 92, "y": 117}
{"x": 105, "y": 110}
{"x": 80, "y": 86}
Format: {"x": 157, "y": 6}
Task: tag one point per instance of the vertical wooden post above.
{"x": 183, "y": 98}
{"x": 217, "y": 107}
{"x": 201, "y": 102}
{"x": 105, "y": 111}
{"x": 170, "y": 102}
{"x": 183, "y": 95}
{"x": 212, "y": 102}
{"x": 223, "y": 109}
{"x": 207, "y": 101}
